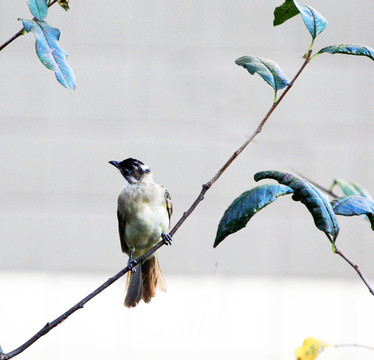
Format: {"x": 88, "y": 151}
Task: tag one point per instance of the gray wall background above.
{"x": 157, "y": 81}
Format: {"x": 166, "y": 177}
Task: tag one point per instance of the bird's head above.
{"x": 132, "y": 170}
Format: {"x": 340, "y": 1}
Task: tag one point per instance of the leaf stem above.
{"x": 205, "y": 187}
{"x": 316, "y": 54}
{"x": 20, "y": 32}
{"x": 311, "y": 44}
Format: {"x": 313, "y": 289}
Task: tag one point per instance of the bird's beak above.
{"x": 114, "y": 163}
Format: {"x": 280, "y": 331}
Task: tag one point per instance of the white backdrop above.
{"x": 157, "y": 81}
{"x": 200, "y": 318}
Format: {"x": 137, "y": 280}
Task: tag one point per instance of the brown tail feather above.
{"x": 143, "y": 283}
{"x": 152, "y": 279}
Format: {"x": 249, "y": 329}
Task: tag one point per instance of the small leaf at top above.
{"x": 313, "y": 20}
{"x": 49, "y": 51}
{"x": 310, "y": 349}
{"x": 284, "y": 12}
{"x": 38, "y": 8}
{"x": 348, "y": 49}
{"x": 350, "y": 188}
{"x": 354, "y": 205}
{"x": 267, "y": 69}
{"x": 245, "y": 206}
{"x": 316, "y": 203}
{"x": 64, "y": 4}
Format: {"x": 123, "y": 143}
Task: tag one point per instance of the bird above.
{"x": 144, "y": 211}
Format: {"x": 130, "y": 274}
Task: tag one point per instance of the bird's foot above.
{"x": 131, "y": 264}
{"x": 167, "y": 238}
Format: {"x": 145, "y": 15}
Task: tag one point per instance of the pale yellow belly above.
{"x": 144, "y": 230}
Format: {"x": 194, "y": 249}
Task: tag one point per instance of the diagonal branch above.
{"x": 49, "y": 326}
{"x": 207, "y": 185}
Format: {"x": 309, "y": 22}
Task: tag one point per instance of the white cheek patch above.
{"x": 144, "y": 168}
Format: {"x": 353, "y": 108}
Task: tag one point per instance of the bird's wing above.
{"x": 121, "y": 229}
{"x": 169, "y": 204}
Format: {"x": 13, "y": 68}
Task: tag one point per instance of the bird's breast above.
{"x": 146, "y": 217}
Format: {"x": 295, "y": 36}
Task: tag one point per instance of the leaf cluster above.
{"x": 47, "y": 44}
{"x": 323, "y": 211}
{"x": 356, "y": 201}
{"x": 315, "y": 23}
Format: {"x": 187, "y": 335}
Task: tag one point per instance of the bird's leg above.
{"x": 131, "y": 263}
{"x": 167, "y": 238}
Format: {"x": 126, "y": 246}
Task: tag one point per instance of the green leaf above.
{"x": 245, "y": 206}
{"x": 354, "y": 205}
{"x": 38, "y": 8}
{"x": 313, "y": 20}
{"x": 267, "y": 69}
{"x": 49, "y": 51}
{"x": 348, "y": 49}
{"x": 284, "y": 12}
{"x": 317, "y": 204}
{"x": 350, "y": 188}
{"x": 361, "y": 190}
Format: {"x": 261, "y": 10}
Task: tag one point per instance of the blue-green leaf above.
{"x": 245, "y": 206}
{"x": 317, "y": 204}
{"x": 49, "y": 51}
{"x": 313, "y": 20}
{"x": 354, "y": 205}
{"x": 267, "y": 69}
{"x": 348, "y": 49}
{"x": 38, "y": 8}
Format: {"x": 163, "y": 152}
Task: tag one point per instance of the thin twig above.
{"x": 350, "y": 262}
{"x": 19, "y": 33}
{"x": 325, "y": 190}
{"x": 357, "y": 269}
{"x": 207, "y": 186}
{"x": 14, "y": 37}
{"x": 337, "y": 251}
{"x": 49, "y": 326}
{"x": 355, "y": 345}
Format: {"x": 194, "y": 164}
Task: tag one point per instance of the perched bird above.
{"x": 144, "y": 211}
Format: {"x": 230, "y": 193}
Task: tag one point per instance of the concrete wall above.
{"x": 157, "y": 81}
